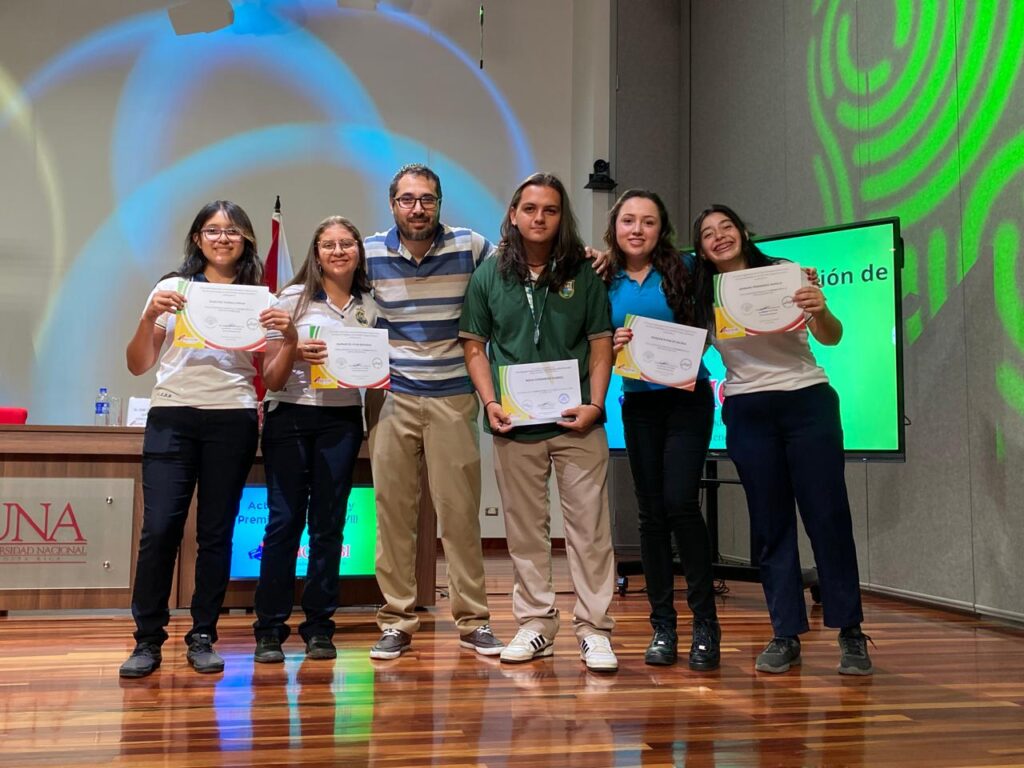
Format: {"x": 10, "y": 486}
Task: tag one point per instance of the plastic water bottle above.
{"x": 101, "y": 418}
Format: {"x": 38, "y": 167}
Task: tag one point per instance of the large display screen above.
{"x": 357, "y": 549}
{"x": 859, "y": 268}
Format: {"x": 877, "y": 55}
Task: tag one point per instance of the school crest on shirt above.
{"x": 568, "y": 289}
{"x": 361, "y": 316}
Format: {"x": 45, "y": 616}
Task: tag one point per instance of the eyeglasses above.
{"x": 336, "y": 245}
{"x": 408, "y": 202}
{"x": 215, "y": 233}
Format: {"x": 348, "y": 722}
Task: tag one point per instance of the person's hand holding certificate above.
{"x": 662, "y": 353}
{"x": 537, "y": 393}
{"x": 356, "y": 357}
{"x": 219, "y": 316}
{"x": 750, "y": 302}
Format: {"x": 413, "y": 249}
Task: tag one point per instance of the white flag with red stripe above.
{"x": 277, "y": 269}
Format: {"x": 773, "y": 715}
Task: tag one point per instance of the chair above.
{"x": 13, "y": 415}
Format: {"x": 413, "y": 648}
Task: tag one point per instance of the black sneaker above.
{"x": 853, "y": 652}
{"x": 145, "y": 659}
{"x": 661, "y": 651}
{"x": 392, "y": 644}
{"x": 704, "y": 649}
{"x": 779, "y": 655}
{"x": 321, "y": 647}
{"x": 268, "y": 650}
{"x": 202, "y": 657}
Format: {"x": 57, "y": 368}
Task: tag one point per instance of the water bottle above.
{"x": 101, "y": 417}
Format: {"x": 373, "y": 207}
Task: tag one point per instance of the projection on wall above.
{"x": 268, "y": 93}
{"x": 919, "y": 126}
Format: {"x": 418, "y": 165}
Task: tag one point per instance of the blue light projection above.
{"x": 153, "y": 184}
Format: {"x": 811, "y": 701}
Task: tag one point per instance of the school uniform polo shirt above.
{"x": 498, "y": 311}
{"x": 419, "y": 304}
{"x": 646, "y": 299}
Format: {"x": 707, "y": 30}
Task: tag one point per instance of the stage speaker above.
{"x": 625, "y": 515}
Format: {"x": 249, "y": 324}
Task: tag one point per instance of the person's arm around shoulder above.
{"x": 143, "y": 350}
{"x": 483, "y": 249}
{"x": 823, "y": 325}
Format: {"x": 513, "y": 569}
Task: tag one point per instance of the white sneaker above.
{"x": 596, "y": 652}
{"x": 527, "y": 645}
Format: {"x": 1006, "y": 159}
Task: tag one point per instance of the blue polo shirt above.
{"x": 646, "y": 299}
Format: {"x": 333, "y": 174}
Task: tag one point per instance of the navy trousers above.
{"x": 788, "y": 450}
{"x": 667, "y": 433}
{"x": 309, "y": 453}
{"x": 184, "y": 447}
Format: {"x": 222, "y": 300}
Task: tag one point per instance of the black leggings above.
{"x": 667, "y": 434}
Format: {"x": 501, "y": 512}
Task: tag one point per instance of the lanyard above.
{"x": 538, "y": 314}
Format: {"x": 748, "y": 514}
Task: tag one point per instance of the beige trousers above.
{"x": 581, "y": 470}
{"x": 440, "y": 434}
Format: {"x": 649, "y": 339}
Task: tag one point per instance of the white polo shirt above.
{"x": 201, "y": 378}
{"x": 771, "y": 362}
{"x": 321, "y": 311}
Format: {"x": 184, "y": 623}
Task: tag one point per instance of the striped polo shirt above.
{"x": 420, "y": 306}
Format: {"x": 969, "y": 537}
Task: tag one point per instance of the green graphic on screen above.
{"x": 858, "y": 268}
{"x": 927, "y": 130}
{"x": 357, "y": 550}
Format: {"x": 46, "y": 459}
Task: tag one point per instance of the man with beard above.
{"x": 419, "y": 271}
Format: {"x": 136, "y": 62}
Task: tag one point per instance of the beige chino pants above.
{"x": 440, "y": 434}
{"x": 523, "y": 469}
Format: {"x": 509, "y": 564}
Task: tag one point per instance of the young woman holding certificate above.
{"x": 784, "y": 434}
{"x": 201, "y": 430}
{"x": 667, "y": 429}
{"x": 311, "y": 439}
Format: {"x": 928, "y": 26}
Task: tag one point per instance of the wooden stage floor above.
{"x": 948, "y": 690}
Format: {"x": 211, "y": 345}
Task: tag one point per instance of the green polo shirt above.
{"x": 497, "y": 311}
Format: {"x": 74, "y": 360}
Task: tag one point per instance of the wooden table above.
{"x": 116, "y": 452}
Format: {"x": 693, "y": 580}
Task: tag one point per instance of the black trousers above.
{"x": 182, "y": 448}
{"x": 788, "y": 450}
{"x": 667, "y": 434}
{"x": 309, "y": 453}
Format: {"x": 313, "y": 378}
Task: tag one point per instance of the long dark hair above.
{"x": 309, "y": 275}
{"x": 567, "y": 253}
{"x": 676, "y": 282}
{"x": 705, "y": 270}
{"x": 248, "y": 268}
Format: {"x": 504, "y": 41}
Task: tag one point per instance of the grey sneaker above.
{"x": 853, "y": 652}
{"x": 145, "y": 659}
{"x": 202, "y": 657}
{"x": 483, "y": 641}
{"x": 392, "y": 644}
{"x": 779, "y": 655}
{"x": 321, "y": 647}
{"x": 268, "y": 651}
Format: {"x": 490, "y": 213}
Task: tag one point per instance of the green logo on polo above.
{"x": 567, "y": 290}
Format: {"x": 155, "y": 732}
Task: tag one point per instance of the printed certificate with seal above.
{"x": 662, "y": 353}
{"x": 537, "y": 393}
{"x": 356, "y": 357}
{"x": 219, "y": 316}
{"x": 751, "y": 302}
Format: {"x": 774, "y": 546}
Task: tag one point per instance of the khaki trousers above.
{"x": 440, "y": 434}
{"x": 581, "y": 470}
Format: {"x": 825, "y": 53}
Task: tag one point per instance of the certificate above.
{"x": 356, "y": 357}
{"x": 221, "y": 316}
{"x": 662, "y": 353}
{"x": 537, "y": 393}
{"x": 750, "y": 302}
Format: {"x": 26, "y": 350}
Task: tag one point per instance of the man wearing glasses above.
{"x": 419, "y": 270}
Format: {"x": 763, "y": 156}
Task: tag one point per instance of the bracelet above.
{"x": 491, "y": 402}
{"x": 600, "y": 408}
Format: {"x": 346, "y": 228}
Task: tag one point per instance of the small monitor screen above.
{"x": 357, "y": 549}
